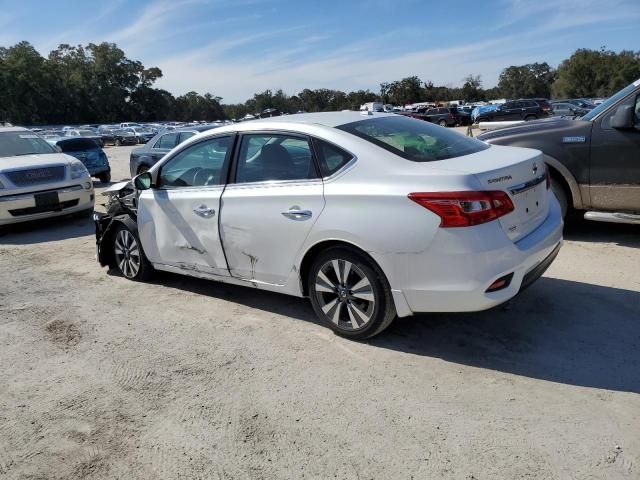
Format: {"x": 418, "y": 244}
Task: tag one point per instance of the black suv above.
{"x": 514, "y": 110}
{"x": 446, "y": 117}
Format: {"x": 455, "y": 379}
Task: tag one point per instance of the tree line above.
{"x": 97, "y": 83}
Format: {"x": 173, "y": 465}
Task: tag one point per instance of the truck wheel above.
{"x": 530, "y": 117}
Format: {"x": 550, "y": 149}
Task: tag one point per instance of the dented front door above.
{"x": 178, "y": 217}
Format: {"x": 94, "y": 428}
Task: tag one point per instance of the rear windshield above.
{"x": 415, "y": 140}
{"x": 77, "y": 145}
{"x": 23, "y": 143}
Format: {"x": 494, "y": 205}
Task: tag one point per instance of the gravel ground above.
{"x": 181, "y": 378}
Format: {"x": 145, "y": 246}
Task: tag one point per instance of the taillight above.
{"x": 547, "y": 175}
{"x": 464, "y": 209}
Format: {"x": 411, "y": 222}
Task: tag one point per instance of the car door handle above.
{"x": 297, "y": 214}
{"x": 204, "y": 211}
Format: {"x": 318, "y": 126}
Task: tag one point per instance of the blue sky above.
{"x": 236, "y": 48}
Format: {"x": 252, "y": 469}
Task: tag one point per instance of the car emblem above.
{"x": 535, "y": 168}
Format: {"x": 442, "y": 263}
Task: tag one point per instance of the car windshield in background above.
{"x": 412, "y": 139}
{"x": 23, "y": 143}
{"x": 77, "y": 145}
{"x": 87, "y": 133}
{"x": 122, "y": 132}
{"x": 606, "y": 104}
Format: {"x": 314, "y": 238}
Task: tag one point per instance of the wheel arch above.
{"x": 562, "y": 173}
{"x": 105, "y": 253}
{"x": 314, "y": 250}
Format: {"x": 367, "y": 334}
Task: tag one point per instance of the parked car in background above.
{"x": 124, "y": 137}
{"x": 446, "y": 116}
{"x": 38, "y": 181}
{"x": 561, "y": 109}
{"x": 129, "y": 124}
{"x": 594, "y": 161}
{"x": 517, "y": 110}
{"x": 85, "y": 133}
{"x": 293, "y": 204}
{"x": 143, "y": 158}
{"x": 143, "y": 135}
{"x": 89, "y": 153}
{"x": 579, "y": 102}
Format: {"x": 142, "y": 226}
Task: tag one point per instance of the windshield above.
{"x": 87, "y": 133}
{"x": 122, "y": 132}
{"x": 23, "y": 143}
{"x": 415, "y": 140}
{"x": 611, "y": 101}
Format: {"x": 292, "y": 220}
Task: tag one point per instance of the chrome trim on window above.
{"x": 523, "y": 187}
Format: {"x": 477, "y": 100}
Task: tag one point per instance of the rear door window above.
{"x": 167, "y": 141}
{"x": 272, "y": 157}
{"x": 330, "y": 157}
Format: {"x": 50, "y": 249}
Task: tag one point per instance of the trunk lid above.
{"x": 518, "y": 171}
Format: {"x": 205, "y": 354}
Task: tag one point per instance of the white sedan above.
{"x": 37, "y": 181}
{"x": 371, "y": 216}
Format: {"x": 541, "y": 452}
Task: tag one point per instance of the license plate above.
{"x": 47, "y": 200}
{"x": 530, "y": 201}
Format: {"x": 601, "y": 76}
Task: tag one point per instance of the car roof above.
{"x": 328, "y": 119}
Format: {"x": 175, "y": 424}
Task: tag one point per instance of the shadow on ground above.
{"x": 581, "y": 230}
{"x": 560, "y": 331}
{"x": 47, "y": 230}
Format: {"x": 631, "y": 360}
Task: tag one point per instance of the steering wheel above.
{"x": 204, "y": 177}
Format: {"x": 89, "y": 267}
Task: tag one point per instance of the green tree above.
{"x": 596, "y": 73}
{"x": 531, "y": 80}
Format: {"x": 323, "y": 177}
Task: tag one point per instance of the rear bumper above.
{"x": 21, "y": 207}
{"x": 455, "y": 272}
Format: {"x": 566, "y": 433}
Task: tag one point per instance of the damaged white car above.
{"x": 371, "y": 216}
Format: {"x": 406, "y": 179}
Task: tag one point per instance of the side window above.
{"x": 166, "y": 141}
{"x": 330, "y": 157}
{"x": 185, "y": 135}
{"x": 198, "y": 165}
{"x": 265, "y": 157}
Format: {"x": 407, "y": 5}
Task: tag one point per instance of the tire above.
{"x": 561, "y": 194}
{"x": 352, "y": 313}
{"x": 530, "y": 117}
{"x": 105, "y": 177}
{"x": 142, "y": 169}
{"x": 442, "y": 123}
{"x": 118, "y": 142}
{"x": 128, "y": 257}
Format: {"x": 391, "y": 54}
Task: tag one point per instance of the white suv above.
{"x": 37, "y": 181}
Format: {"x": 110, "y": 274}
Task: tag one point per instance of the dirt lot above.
{"x": 182, "y": 378}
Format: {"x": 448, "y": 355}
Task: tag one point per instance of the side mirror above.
{"x": 144, "y": 181}
{"x": 623, "y": 118}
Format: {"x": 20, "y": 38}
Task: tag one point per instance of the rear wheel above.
{"x": 128, "y": 257}
{"x": 350, "y": 293}
{"x": 530, "y": 117}
{"x": 105, "y": 177}
{"x": 142, "y": 169}
{"x": 118, "y": 142}
{"x": 442, "y": 123}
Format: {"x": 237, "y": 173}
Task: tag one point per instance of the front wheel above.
{"x": 118, "y": 142}
{"x": 350, "y": 293}
{"x": 128, "y": 256}
{"x": 105, "y": 177}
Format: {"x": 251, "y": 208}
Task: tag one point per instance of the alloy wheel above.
{"x": 127, "y": 253}
{"x": 345, "y": 294}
